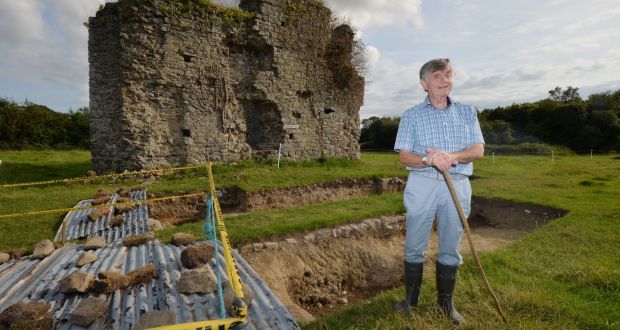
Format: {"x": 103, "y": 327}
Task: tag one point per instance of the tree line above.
{"x": 563, "y": 119}
{"x": 33, "y": 126}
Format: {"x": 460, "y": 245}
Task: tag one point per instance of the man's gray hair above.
{"x": 433, "y": 65}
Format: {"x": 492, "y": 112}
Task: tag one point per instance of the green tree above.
{"x": 567, "y": 95}
{"x": 379, "y": 133}
{"x": 31, "y": 125}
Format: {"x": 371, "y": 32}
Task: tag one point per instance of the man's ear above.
{"x": 423, "y": 83}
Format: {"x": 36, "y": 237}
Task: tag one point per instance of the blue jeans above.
{"x": 428, "y": 197}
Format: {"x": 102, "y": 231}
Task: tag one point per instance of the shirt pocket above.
{"x": 460, "y": 135}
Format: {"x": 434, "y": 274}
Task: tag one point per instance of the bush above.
{"x": 34, "y": 126}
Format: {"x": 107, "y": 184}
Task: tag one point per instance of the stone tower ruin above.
{"x": 176, "y": 82}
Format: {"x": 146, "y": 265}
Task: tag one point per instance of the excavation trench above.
{"x": 318, "y": 272}
{"x": 234, "y": 200}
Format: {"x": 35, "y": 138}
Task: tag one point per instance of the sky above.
{"x": 503, "y": 52}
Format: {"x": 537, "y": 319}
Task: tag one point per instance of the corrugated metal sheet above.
{"x": 28, "y": 280}
{"x": 79, "y": 226}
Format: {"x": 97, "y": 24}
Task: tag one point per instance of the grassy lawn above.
{"x": 565, "y": 275}
{"x": 26, "y": 231}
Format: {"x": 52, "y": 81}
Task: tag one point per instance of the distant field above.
{"x": 25, "y": 166}
{"x": 565, "y": 275}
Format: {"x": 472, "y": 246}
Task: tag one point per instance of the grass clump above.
{"x": 203, "y": 8}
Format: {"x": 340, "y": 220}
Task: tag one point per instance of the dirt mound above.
{"x": 135, "y": 240}
{"x": 18, "y": 253}
{"x": 117, "y": 221}
{"x": 142, "y": 275}
{"x": 32, "y": 315}
{"x": 180, "y": 239}
{"x": 98, "y": 213}
{"x": 108, "y": 282}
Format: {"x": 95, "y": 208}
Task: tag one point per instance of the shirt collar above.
{"x": 427, "y": 101}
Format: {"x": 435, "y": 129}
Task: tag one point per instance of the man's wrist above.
{"x": 427, "y": 161}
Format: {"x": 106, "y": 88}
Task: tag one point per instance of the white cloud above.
{"x": 20, "y": 23}
{"x": 44, "y": 43}
{"x": 372, "y": 55}
{"x": 379, "y": 13}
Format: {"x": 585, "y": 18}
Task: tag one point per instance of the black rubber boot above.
{"x": 446, "y": 280}
{"x": 413, "y": 281}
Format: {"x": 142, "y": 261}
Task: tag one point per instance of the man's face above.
{"x": 439, "y": 83}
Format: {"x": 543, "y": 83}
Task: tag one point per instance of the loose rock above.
{"x": 77, "y": 282}
{"x": 4, "y": 257}
{"x": 154, "y": 225}
{"x": 200, "y": 280}
{"x": 89, "y": 310}
{"x": 179, "y": 239}
{"x": 43, "y": 249}
{"x": 196, "y": 256}
{"x": 154, "y": 319}
{"x": 86, "y": 258}
{"x": 94, "y": 242}
{"x": 31, "y": 315}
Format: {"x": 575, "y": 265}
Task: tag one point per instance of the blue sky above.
{"x": 503, "y": 52}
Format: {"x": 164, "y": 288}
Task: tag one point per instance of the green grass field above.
{"x": 565, "y": 275}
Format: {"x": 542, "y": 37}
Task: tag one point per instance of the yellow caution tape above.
{"x": 105, "y": 176}
{"x": 231, "y": 267}
{"x": 239, "y": 306}
{"x": 222, "y": 324}
{"x": 96, "y": 206}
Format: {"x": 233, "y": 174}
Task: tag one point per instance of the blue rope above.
{"x": 208, "y": 230}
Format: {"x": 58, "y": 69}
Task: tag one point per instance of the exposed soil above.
{"x": 313, "y": 278}
{"x": 233, "y": 200}
{"x": 314, "y": 273}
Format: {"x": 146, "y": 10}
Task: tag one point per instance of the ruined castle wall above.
{"x": 196, "y": 87}
{"x": 105, "y": 87}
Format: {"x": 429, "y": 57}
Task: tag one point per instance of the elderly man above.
{"x": 436, "y": 135}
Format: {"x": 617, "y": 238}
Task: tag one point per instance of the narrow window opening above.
{"x": 327, "y": 111}
{"x": 186, "y": 132}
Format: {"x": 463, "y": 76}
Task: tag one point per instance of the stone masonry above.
{"x": 179, "y": 82}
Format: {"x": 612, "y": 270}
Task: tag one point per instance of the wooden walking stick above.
{"x": 459, "y": 209}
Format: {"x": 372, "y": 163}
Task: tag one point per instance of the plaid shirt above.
{"x": 452, "y": 129}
